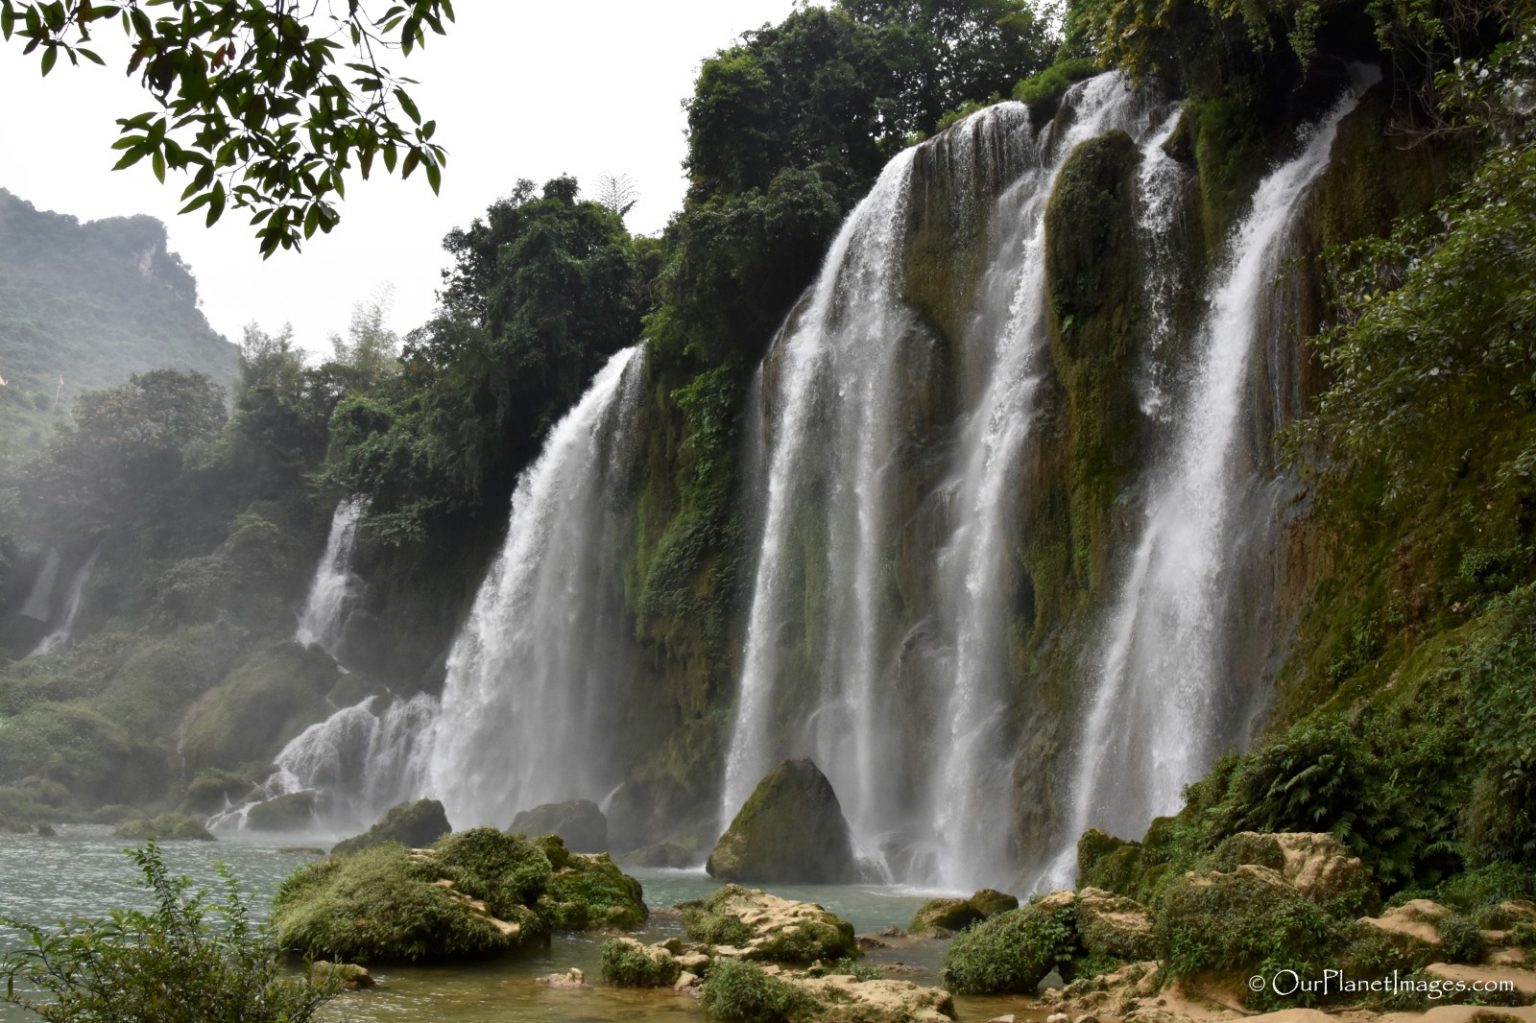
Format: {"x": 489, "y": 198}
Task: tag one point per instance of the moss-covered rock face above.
{"x": 1113, "y": 926}
{"x": 265, "y": 701}
{"x": 294, "y": 811}
{"x": 1010, "y": 953}
{"x": 168, "y": 827}
{"x": 413, "y": 825}
{"x": 792, "y": 829}
{"x": 762, "y": 926}
{"x": 578, "y": 822}
{"x": 588, "y": 892}
{"x": 1234, "y": 922}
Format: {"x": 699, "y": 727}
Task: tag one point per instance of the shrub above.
{"x": 1460, "y": 939}
{"x": 507, "y": 871}
{"x": 1008, "y": 954}
{"x": 740, "y": 992}
{"x": 589, "y": 891}
{"x": 187, "y": 961}
{"x": 627, "y": 963}
{"x": 1048, "y": 86}
{"x": 1247, "y": 921}
{"x": 711, "y": 927}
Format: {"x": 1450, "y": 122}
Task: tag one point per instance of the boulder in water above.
{"x": 294, "y": 811}
{"x": 578, "y": 822}
{"x": 747, "y": 923}
{"x": 937, "y": 916}
{"x": 168, "y": 827}
{"x": 414, "y": 825}
{"x": 792, "y": 829}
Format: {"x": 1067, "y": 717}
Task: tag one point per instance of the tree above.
{"x": 186, "y": 961}
{"x": 251, "y": 96}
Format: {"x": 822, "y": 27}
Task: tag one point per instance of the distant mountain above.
{"x": 90, "y": 304}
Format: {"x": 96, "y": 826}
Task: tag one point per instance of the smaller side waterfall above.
{"x": 64, "y": 631}
{"x": 39, "y": 603}
{"x": 335, "y": 587}
{"x": 1156, "y": 717}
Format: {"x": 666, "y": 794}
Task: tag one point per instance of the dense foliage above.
{"x": 250, "y": 97}
{"x": 188, "y": 960}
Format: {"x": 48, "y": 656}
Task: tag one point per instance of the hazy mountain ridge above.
{"x": 91, "y": 303}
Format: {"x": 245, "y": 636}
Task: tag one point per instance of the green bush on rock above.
{"x": 768, "y": 927}
{"x": 740, "y": 992}
{"x": 628, "y": 963}
{"x": 587, "y": 891}
{"x": 1247, "y": 921}
{"x": 1010, "y": 953}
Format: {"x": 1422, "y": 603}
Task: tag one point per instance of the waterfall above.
{"x": 829, "y": 628}
{"x": 361, "y": 761}
{"x": 39, "y": 603}
{"x": 1155, "y": 721}
{"x": 61, "y": 634}
{"x": 534, "y": 703}
{"x": 335, "y": 586}
{"x": 834, "y": 381}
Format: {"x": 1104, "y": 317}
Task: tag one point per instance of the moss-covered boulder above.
{"x": 1113, "y": 926}
{"x": 1010, "y": 953}
{"x": 1316, "y": 864}
{"x": 294, "y": 811}
{"x": 413, "y": 825}
{"x": 578, "y": 822}
{"x": 587, "y": 891}
{"x": 752, "y": 924}
{"x": 385, "y": 905}
{"x": 168, "y": 827}
{"x": 630, "y": 963}
{"x": 940, "y": 915}
{"x": 473, "y": 894}
{"x": 792, "y": 829}
{"x": 1231, "y": 923}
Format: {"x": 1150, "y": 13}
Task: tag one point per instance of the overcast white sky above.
{"x": 519, "y": 90}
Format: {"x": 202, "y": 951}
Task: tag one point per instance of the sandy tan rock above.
{"x": 1113, "y": 925}
{"x": 850, "y": 1000}
{"x": 1524, "y": 981}
{"x": 1415, "y": 919}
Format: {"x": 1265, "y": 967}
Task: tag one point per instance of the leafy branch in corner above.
{"x": 267, "y": 104}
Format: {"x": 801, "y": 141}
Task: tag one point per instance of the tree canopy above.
{"x": 267, "y": 104}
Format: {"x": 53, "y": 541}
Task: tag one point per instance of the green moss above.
{"x": 1093, "y": 278}
{"x": 627, "y": 963}
{"x": 1010, "y": 953}
{"x": 740, "y": 992}
{"x": 1042, "y": 92}
{"x": 506, "y": 871}
{"x": 588, "y": 892}
{"x": 381, "y": 906}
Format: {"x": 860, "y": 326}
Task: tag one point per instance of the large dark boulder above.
{"x": 413, "y": 825}
{"x": 578, "y": 822}
{"x": 791, "y": 830}
{"x": 293, "y": 811}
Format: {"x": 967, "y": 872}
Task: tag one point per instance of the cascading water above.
{"x": 39, "y": 603}
{"x": 535, "y": 698}
{"x": 335, "y": 587}
{"x": 60, "y": 636}
{"x": 847, "y": 371}
{"x": 1155, "y": 721}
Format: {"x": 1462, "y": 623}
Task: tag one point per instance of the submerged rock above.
{"x": 413, "y": 825}
{"x": 168, "y": 827}
{"x": 792, "y": 829}
{"x": 578, "y": 822}
{"x": 349, "y": 976}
